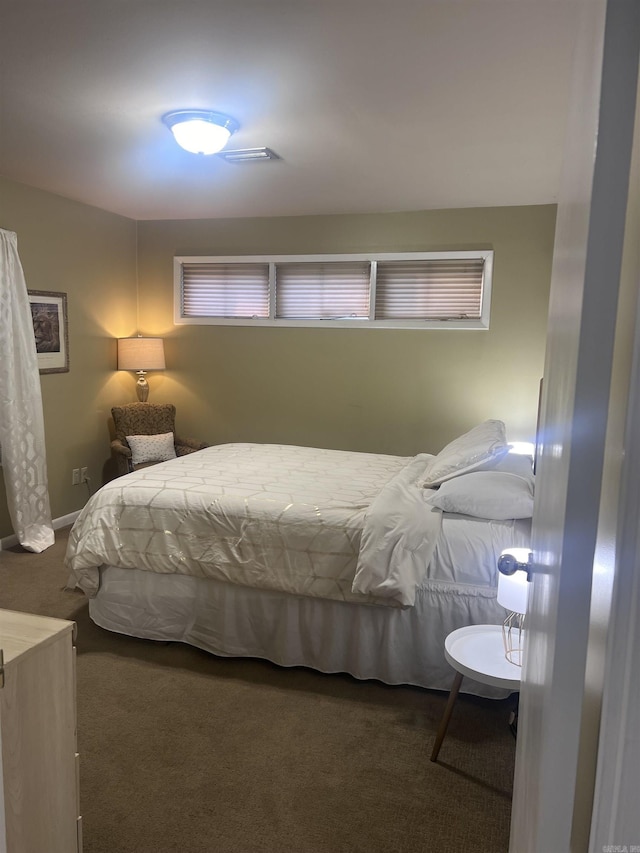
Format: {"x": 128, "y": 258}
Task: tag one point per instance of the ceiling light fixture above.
{"x": 200, "y": 131}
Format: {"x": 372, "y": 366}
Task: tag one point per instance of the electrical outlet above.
{"x": 84, "y": 473}
{"x": 75, "y": 477}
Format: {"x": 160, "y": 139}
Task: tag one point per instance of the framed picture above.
{"x": 51, "y": 330}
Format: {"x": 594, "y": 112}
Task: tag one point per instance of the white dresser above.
{"x": 39, "y": 796}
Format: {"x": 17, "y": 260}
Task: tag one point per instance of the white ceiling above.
{"x": 373, "y": 105}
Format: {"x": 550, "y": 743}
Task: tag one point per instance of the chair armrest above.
{"x": 118, "y": 447}
{"x": 191, "y": 443}
{"x": 122, "y": 456}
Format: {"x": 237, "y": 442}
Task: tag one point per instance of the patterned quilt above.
{"x": 326, "y": 523}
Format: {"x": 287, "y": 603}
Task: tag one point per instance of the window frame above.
{"x": 475, "y": 324}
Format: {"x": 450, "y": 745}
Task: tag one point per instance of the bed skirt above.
{"x": 392, "y": 645}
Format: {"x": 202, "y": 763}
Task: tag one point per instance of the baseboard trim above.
{"x": 63, "y": 521}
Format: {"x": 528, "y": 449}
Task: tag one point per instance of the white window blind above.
{"x": 323, "y": 291}
{"x": 400, "y": 290}
{"x": 225, "y": 290}
{"x": 429, "y": 289}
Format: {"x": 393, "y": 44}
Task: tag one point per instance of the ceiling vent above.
{"x": 248, "y": 155}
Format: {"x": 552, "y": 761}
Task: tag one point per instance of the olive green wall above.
{"x": 378, "y": 390}
{"x": 91, "y": 256}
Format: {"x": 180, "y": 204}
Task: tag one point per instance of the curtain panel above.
{"x": 22, "y": 444}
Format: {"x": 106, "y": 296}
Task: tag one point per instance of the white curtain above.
{"x": 22, "y": 444}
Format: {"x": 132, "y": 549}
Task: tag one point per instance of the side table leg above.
{"x": 444, "y": 723}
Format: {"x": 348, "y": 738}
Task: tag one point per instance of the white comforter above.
{"x": 325, "y": 523}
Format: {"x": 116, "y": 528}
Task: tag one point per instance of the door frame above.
{"x": 562, "y": 688}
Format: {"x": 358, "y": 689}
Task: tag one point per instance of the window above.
{"x": 418, "y": 290}
{"x": 333, "y": 290}
{"x": 221, "y": 289}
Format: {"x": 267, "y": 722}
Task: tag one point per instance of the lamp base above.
{"x": 513, "y": 638}
{"x": 142, "y": 386}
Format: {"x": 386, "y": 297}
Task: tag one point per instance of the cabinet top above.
{"x": 21, "y": 632}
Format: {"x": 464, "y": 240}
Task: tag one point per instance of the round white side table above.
{"x": 478, "y": 652}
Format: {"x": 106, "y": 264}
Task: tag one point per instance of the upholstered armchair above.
{"x": 147, "y": 419}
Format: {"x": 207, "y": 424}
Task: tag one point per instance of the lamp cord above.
{"x": 87, "y": 480}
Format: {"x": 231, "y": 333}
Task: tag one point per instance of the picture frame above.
{"x": 50, "y": 329}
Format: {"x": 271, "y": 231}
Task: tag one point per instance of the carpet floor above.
{"x": 185, "y": 752}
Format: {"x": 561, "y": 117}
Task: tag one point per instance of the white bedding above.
{"x": 322, "y": 523}
{"x": 393, "y": 645}
{"x": 279, "y": 552}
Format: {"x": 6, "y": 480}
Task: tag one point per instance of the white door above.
{"x": 583, "y": 415}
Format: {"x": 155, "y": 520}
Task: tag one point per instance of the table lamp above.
{"x": 513, "y": 590}
{"x": 141, "y": 354}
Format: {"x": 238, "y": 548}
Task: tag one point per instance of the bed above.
{"x": 336, "y": 560}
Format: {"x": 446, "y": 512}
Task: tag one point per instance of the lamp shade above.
{"x": 200, "y": 131}
{"x": 141, "y": 354}
{"x": 513, "y": 592}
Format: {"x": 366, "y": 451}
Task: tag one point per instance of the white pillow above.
{"x": 483, "y": 444}
{"x": 151, "y": 448}
{"x": 486, "y": 494}
{"x": 511, "y": 463}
